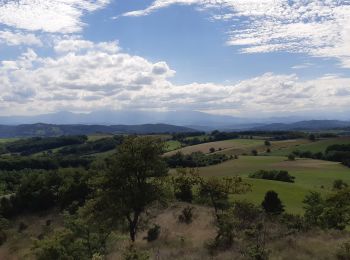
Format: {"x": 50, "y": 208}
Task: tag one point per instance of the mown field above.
{"x": 233, "y": 146}
{"x": 314, "y": 147}
{"x": 311, "y": 175}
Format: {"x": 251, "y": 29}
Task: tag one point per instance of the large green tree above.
{"x": 131, "y": 183}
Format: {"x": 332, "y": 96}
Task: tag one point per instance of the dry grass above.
{"x": 18, "y": 244}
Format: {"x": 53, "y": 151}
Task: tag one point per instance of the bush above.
{"x": 291, "y": 157}
{"x": 133, "y": 254}
{"x": 343, "y": 252}
{"x": 272, "y": 204}
{"x": 254, "y": 152}
{"x": 153, "y": 233}
{"x": 339, "y": 185}
{"x": 186, "y": 215}
{"x": 3, "y": 237}
{"x": 273, "y": 175}
{"x": 212, "y": 150}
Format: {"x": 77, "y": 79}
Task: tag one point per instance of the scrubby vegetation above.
{"x": 128, "y": 205}
{"x": 273, "y": 175}
{"x": 196, "y": 159}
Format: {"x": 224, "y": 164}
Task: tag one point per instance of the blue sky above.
{"x": 234, "y": 57}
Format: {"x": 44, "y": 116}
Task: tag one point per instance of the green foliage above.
{"x": 291, "y": 157}
{"x": 37, "y": 190}
{"x": 183, "y": 183}
{"x": 339, "y": 184}
{"x": 273, "y": 175}
{"x": 84, "y": 236}
{"x": 132, "y": 182}
{"x": 267, "y": 143}
{"x": 196, "y": 159}
{"x": 255, "y": 152}
{"x": 343, "y": 252}
{"x": 133, "y": 254}
{"x": 38, "y": 144}
{"x": 272, "y": 204}
{"x": 216, "y": 191}
{"x": 91, "y": 147}
{"x": 153, "y": 233}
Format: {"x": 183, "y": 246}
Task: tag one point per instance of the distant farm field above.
{"x": 314, "y": 147}
{"x": 7, "y": 140}
{"x": 234, "y": 146}
{"x": 311, "y": 175}
{"x": 172, "y": 145}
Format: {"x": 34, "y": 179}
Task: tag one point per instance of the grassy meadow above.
{"x": 311, "y": 175}
{"x": 314, "y": 147}
{"x": 234, "y": 146}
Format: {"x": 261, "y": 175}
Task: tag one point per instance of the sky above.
{"x": 247, "y": 58}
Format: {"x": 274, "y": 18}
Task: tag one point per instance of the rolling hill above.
{"x": 45, "y": 130}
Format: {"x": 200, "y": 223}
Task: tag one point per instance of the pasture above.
{"x": 311, "y": 175}
{"x": 314, "y": 147}
{"x": 234, "y": 146}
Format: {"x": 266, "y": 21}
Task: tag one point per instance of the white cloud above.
{"x": 19, "y": 38}
{"x": 318, "y": 28}
{"x": 53, "y": 16}
{"x": 100, "y": 75}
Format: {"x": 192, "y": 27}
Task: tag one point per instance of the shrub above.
{"x": 3, "y": 237}
{"x": 267, "y": 143}
{"x": 254, "y": 152}
{"x": 272, "y": 204}
{"x": 343, "y": 252}
{"x": 273, "y": 175}
{"x": 291, "y": 157}
{"x": 133, "y": 254}
{"x": 186, "y": 215}
{"x": 212, "y": 150}
{"x": 153, "y": 233}
{"x": 339, "y": 185}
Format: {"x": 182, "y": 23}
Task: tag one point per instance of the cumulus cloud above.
{"x": 85, "y": 76}
{"x": 18, "y": 38}
{"x": 53, "y": 16}
{"x": 318, "y": 28}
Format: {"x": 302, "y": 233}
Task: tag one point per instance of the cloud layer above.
{"x": 53, "y": 16}
{"x": 318, "y": 28}
{"x": 85, "y": 76}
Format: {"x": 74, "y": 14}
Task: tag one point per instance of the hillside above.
{"x": 30, "y": 130}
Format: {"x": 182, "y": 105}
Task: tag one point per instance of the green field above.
{"x": 234, "y": 146}
{"x": 7, "y": 140}
{"x": 314, "y": 147}
{"x": 172, "y": 145}
{"x": 311, "y": 175}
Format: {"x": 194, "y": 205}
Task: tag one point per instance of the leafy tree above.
{"x": 291, "y": 157}
{"x": 254, "y": 152}
{"x": 132, "y": 182}
{"x": 339, "y": 185}
{"x": 333, "y": 212}
{"x": 216, "y": 191}
{"x": 183, "y": 184}
{"x": 272, "y": 204}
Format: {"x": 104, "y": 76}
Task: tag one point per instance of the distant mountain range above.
{"x": 30, "y": 130}
{"x": 312, "y": 125}
{"x": 155, "y": 122}
{"x": 192, "y": 119}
